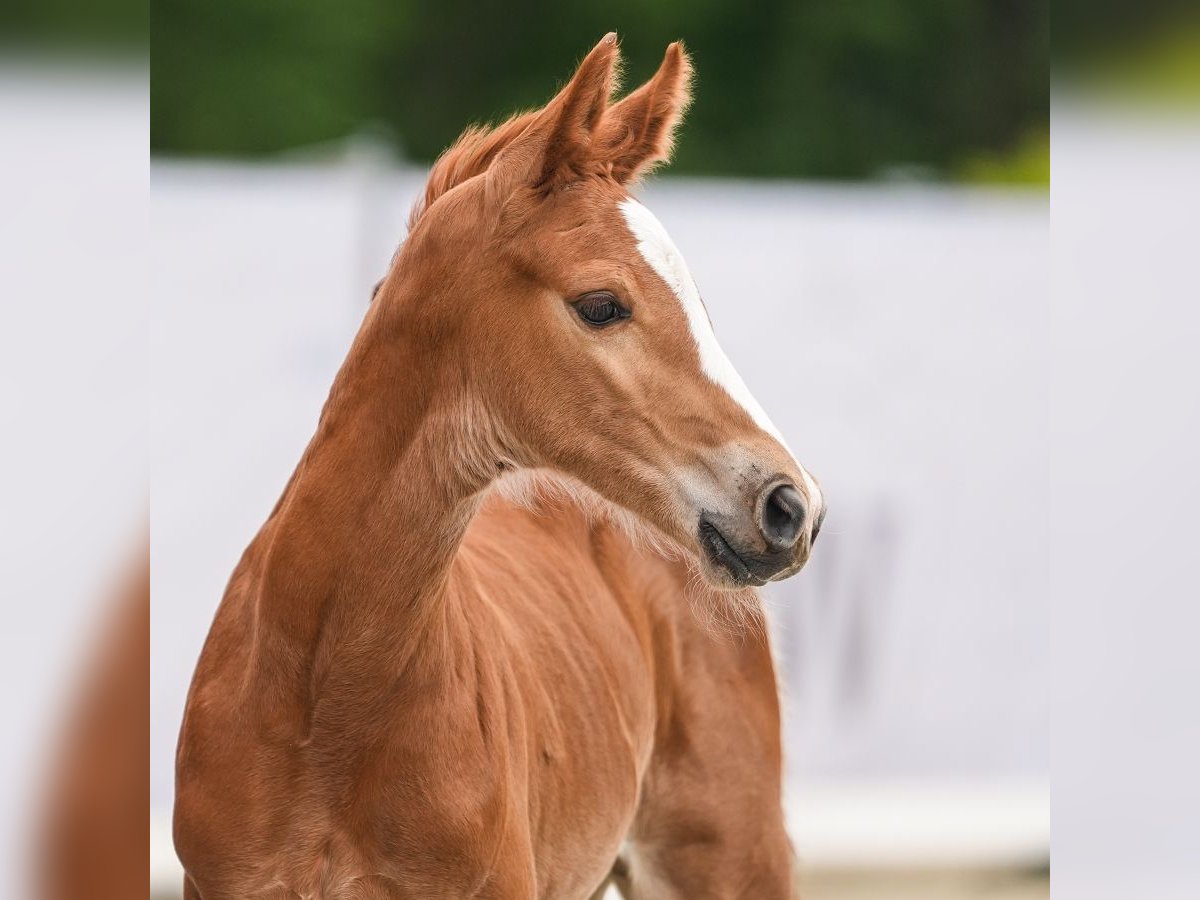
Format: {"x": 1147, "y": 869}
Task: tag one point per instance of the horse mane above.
{"x": 467, "y": 157}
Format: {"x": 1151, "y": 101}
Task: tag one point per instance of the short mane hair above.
{"x": 467, "y": 157}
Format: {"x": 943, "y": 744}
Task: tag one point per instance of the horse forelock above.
{"x": 467, "y": 157}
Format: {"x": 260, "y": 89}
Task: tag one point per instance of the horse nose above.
{"x": 782, "y": 518}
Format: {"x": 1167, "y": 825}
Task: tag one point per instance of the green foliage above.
{"x": 1028, "y": 164}
{"x": 84, "y": 25}
{"x": 1160, "y": 68}
{"x": 813, "y": 88}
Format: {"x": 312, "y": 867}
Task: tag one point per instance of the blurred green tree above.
{"x": 807, "y": 88}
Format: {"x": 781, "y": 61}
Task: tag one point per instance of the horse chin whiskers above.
{"x": 722, "y": 610}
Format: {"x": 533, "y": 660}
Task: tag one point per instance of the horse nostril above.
{"x": 783, "y": 517}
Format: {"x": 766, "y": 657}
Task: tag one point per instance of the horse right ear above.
{"x": 639, "y": 132}
{"x": 556, "y": 147}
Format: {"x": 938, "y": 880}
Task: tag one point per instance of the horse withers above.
{"x": 471, "y": 652}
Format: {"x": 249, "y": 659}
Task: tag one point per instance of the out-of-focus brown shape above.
{"x": 96, "y": 832}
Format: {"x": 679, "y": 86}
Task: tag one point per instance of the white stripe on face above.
{"x": 660, "y": 252}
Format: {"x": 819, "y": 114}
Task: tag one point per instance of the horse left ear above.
{"x": 639, "y": 132}
{"x": 568, "y": 149}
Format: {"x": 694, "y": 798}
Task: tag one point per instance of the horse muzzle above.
{"x": 772, "y": 542}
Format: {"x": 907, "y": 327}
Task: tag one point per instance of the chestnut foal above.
{"x": 417, "y": 687}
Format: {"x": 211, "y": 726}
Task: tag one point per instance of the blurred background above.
{"x": 817, "y": 89}
{"x": 870, "y": 182}
{"x": 74, "y": 448}
{"x": 867, "y": 183}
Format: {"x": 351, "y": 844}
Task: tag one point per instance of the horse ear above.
{"x": 581, "y": 104}
{"x": 639, "y": 132}
{"x": 557, "y": 143}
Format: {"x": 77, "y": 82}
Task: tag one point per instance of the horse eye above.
{"x": 600, "y": 308}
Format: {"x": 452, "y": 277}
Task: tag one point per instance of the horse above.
{"x": 472, "y": 650}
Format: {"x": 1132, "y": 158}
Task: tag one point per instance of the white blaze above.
{"x": 660, "y": 252}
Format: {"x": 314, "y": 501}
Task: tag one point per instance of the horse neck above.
{"x": 355, "y": 562}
